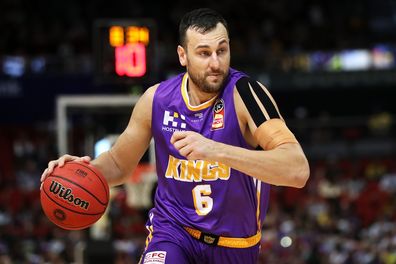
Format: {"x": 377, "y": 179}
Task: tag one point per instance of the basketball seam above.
{"x": 69, "y": 208}
{"x": 66, "y": 179}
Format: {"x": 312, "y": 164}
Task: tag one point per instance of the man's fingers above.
{"x": 179, "y": 144}
{"x": 86, "y": 159}
{"x": 185, "y": 151}
{"x": 65, "y": 158}
{"x": 51, "y": 166}
{"x": 186, "y": 142}
{"x": 177, "y": 135}
{"x": 61, "y": 162}
{"x": 44, "y": 175}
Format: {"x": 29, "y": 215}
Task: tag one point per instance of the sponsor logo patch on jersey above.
{"x": 218, "y": 115}
{"x": 173, "y": 121}
{"x": 155, "y": 257}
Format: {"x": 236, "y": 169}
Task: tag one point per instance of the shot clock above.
{"x": 124, "y": 50}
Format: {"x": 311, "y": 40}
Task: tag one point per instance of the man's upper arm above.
{"x": 262, "y": 115}
{"x": 134, "y": 141}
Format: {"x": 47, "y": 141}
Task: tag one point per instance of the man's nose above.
{"x": 214, "y": 61}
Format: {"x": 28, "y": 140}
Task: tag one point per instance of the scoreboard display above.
{"x": 124, "y": 50}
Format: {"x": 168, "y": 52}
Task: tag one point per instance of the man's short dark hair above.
{"x": 202, "y": 20}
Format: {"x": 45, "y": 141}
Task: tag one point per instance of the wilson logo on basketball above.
{"x": 67, "y": 194}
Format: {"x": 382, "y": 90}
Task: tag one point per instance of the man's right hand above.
{"x": 61, "y": 161}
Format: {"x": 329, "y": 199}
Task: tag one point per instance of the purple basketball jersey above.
{"x": 208, "y": 196}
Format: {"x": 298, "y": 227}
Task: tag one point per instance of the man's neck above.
{"x": 196, "y": 96}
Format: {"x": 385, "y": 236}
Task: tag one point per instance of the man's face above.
{"x": 207, "y": 58}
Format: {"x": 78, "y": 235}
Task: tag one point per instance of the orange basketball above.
{"x": 74, "y": 196}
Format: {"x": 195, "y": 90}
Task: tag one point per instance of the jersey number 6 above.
{"x": 202, "y": 201}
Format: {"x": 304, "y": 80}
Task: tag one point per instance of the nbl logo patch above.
{"x": 218, "y": 115}
{"x": 155, "y": 257}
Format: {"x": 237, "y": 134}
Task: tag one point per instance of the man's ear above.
{"x": 182, "y": 55}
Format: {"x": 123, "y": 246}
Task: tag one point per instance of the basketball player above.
{"x": 220, "y": 143}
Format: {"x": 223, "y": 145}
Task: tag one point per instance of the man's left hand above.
{"x": 193, "y": 145}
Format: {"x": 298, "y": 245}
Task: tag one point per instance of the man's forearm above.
{"x": 284, "y": 166}
{"x": 109, "y": 168}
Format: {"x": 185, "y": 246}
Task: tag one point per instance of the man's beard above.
{"x": 201, "y": 82}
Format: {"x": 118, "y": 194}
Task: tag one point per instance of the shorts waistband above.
{"x": 232, "y": 242}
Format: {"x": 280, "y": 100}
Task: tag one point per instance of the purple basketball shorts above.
{"x": 170, "y": 243}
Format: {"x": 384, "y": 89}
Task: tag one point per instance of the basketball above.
{"x": 74, "y": 196}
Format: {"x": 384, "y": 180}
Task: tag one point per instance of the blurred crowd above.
{"x": 262, "y": 32}
{"x": 345, "y": 215}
